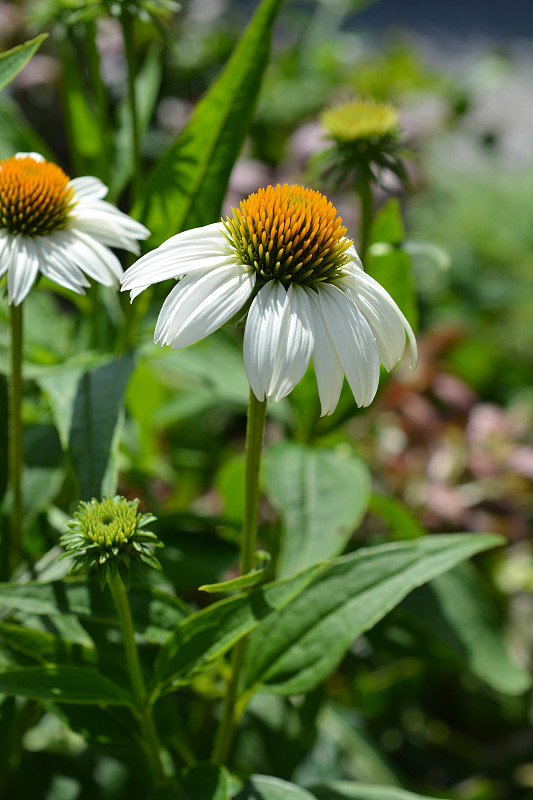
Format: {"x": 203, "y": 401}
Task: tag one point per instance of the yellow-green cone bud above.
{"x": 365, "y": 135}
{"x": 110, "y": 535}
{"x": 360, "y": 120}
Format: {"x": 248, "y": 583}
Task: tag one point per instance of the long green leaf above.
{"x": 188, "y": 185}
{"x": 27, "y": 648}
{"x": 321, "y": 495}
{"x": 388, "y": 263}
{"x": 210, "y": 633}
{"x": 3, "y": 436}
{"x": 95, "y": 416}
{"x": 346, "y": 790}
{"x": 12, "y": 61}
{"x": 60, "y": 383}
{"x": 401, "y": 522}
{"x": 155, "y": 613}
{"x": 296, "y": 648}
{"x": 455, "y": 608}
{"x": 61, "y": 386}
{"x": 63, "y": 684}
{"x": 249, "y": 579}
{"x": 265, "y": 787}
{"x": 354, "y": 746}
{"x": 84, "y": 131}
{"x": 45, "y": 647}
{"x": 147, "y": 84}
{"x": 16, "y": 134}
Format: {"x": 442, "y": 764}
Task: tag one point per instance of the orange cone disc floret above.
{"x": 35, "y": 198}
{"x": 289, "y": 233}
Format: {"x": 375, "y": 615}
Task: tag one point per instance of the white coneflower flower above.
{"x": 285, "y": 250}
{"x": 59, "y": 227}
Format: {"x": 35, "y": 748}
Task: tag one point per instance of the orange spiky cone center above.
{"x": 289, "y": 233}
{"x": 35, "y": 198}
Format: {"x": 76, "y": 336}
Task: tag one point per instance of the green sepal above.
{"x": 252, "y": 578}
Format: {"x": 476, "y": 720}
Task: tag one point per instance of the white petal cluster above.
{"x": 77, "y": 251}
{"x": 348, "y": 327}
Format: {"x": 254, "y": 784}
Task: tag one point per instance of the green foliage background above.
{"x": 379, "y": 665}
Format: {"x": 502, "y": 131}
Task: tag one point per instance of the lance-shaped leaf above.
{"x": 296, "y": 648}
{"x": 16, "y": 134}
{"x": 147, "y": 84}
{"x": 63, "y": 684}
{"x": 388, "y": 263}
{"x": 265, "y": 787}
{"x": 346, "y": 790}
{"x": 95, "y": 417}
{"x": 188, "y": 185}
{"x": 45, "y": 647}
{"x": 252, "y": 578}
{"x": 12, "y": 61}
{"x": 155, "y": 613}
{"x": 60, "y": 384}
{"x": 3, "y": 436}
{"x": 455, "y": 609}
{"x": 210, "y": 633}
{"x": 27, "y": 648}
{"x": 321, "y": 496}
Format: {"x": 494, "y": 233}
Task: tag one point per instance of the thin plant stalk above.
{"x": 144, "y": 710}
{"x": 67, "y": 46}
{"x": 254, "y": 443}
{"x": 14, "y": 548}
{"x": 126, "y": 20}
{"x": 101, "y": 99}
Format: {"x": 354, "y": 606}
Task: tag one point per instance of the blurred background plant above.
{"x": 421, "y": 701}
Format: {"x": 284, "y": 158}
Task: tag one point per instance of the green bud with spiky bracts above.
{"x": 111, "y": 535}
{"x": 365, "y": 138}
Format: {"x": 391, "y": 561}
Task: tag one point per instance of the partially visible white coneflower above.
{"x": 284, "y": 250}
{"x": 60, "y": 227}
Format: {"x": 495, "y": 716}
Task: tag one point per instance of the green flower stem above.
{"x": 364, "y": 190}
{"x": 255, "y": 431}
{"x": 15, "y": 437}
{"x": 254, "y": 442}
{"x": 67, "y": 48}
{"x": 95, "y": 317}
{"x": 144, "y": 710}
{"x": 100, "y": 96}
{"x": 126, "y": 20}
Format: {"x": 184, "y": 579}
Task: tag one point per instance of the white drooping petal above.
{"x": 89, "y": 187}
{"x": 23, "y": 269}
{"x": 5, "y": 245}
{"x": 96, "y": 260}
{"x": 202, "y": 303}
{"x": 328, "y": 368}
{"x": 278, "y": 340}
{"x": 353, "y": 341}
{"x": 194, "y": 250}
{"x": 384, "y": 317}
{"x": 107, "y": 224}
{"x": 208, "y": 236}
{"x": 56, "y": 264}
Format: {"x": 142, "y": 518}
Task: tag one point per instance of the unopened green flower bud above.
{"x": 349, "y": 122}
{"x": 365, "y": 138}
{"x": 111, "y": 535}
